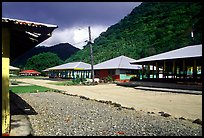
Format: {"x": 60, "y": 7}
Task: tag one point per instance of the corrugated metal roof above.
{"x": 26, "y": 35}
{"x": 185, "y": 52}
{"x": 72, "y": 66}
{"x": 13, "y": 68}
{"x": 28, "y": 23}
{"x": 121, "y": 62}
{"x": 30, "y": 71}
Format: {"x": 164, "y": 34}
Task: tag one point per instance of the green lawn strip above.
{"x": 26, "y": 77}
{"x": 64, "y": 83}
{"x": 30, "y": 89}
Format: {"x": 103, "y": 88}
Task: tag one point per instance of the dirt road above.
{"x": 178, "y": 105}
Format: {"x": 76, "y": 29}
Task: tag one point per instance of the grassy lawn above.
{"x": 27, "y": 77}
{"x": 64, "y": 83}
{"x": 29, "y": 89}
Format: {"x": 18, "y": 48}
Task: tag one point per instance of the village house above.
{"x": 118, "y": 68}
{"x": 13, "y": 71}
{"x": 180, "y": 65}
{"x": 70, "y": 70}
{"x": 29, "y": 73}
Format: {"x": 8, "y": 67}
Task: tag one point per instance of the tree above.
{"x": 42, "y": 61}
{"x": 151, "y": 28}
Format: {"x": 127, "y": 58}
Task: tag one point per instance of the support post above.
{"x": 157, "y": 70}
{"x": 164, "y": 70}
{"x": 194, "y": 69}
{"x": 184, "y": 69}
{"x": 148, "y": 70}
{"x": 173, "y": 69}
{"x": 5, "y": 81}
{"x": 153, "y": 70}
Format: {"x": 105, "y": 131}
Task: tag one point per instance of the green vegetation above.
{"x": 151, "y": 28}
{"x": 29, "y": 89}
{"x": 76, "y": 81}
{"x": 26, "y": 77}
{"x": 42, "y": 61}
{"x": 64, "y": 83}
{"x": 63, "y": 51}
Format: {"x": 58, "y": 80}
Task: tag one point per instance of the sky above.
{"x": 72, "y": 18}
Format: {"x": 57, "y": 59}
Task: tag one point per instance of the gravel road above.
{"x": 64, "y": 115}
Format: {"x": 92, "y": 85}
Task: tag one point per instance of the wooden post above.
{"x": 157, "y": 70}
{"x": 72, "y": 74}
{"x": 164, "y": 70}
{"x": 153, "y": 70}
{"x": 5, "y": 80}
{"x": 148, "y": 70}
{"x": 194, "y": 69}
{"x": 173, "y": 69}
{"x": 184, "y": 69}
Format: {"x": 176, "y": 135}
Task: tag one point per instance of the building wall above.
{"x": 116, "y": 74}
{"x": 103, "y": 73}
{"x": 126, "y": 74}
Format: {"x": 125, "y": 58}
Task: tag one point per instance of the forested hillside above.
{"x": 151, "y": 28}
{"x": 63, "y": 51}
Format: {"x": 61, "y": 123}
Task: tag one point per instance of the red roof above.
{"x": 30, "y": 71}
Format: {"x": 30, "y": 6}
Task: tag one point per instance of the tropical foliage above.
{"x": 151, "y": 28}
{"x": 42, "y": 61}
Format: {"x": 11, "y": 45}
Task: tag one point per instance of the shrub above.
{"x": 134, "y": 79}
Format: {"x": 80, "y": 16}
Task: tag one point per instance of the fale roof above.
{"x": 26, "y": 35}
{"x": 121, "y": 62}
{"x": 72, "y": 66}
{"x": 30, "y": 71}
{"x": 13, "y": 68}
{"x": 185, "y": 52}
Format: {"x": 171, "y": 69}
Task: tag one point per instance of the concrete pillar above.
{"x": 5, "y": 80}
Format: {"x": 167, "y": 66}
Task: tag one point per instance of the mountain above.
{"x": 63, "y": 50}
{"x": 151, "y": 28}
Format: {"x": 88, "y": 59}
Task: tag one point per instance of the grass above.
{"x": 64, "y": 83}
{"x": 29, "y": 89}
{"x": 26, "y": 77}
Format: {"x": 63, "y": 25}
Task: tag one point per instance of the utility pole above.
{"x": 91, "y": 54}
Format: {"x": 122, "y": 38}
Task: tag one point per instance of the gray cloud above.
{"x": 71, "y": 17}
{"x": 66, "y": 14}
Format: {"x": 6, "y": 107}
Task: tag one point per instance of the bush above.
{"x": 14, "y": 82}
{"x": 134, "y": 78}
{"x": 78, "y": 80}
{"x": 108, "y": 79}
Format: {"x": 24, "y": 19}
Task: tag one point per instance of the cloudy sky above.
{"x": 72, "y": 18}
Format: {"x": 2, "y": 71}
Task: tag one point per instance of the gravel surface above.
{"x": 65, "y": 115}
